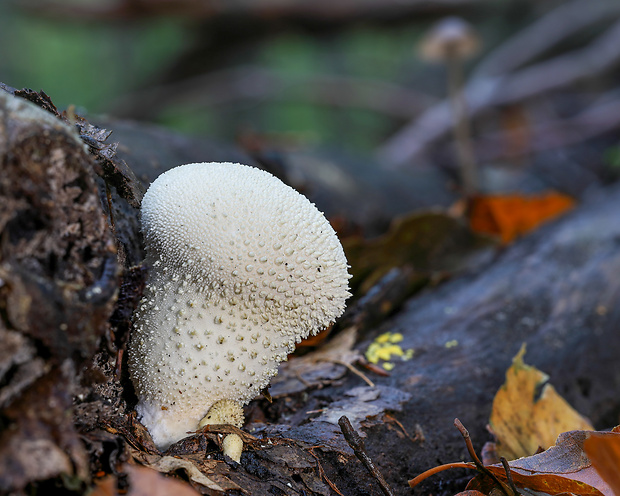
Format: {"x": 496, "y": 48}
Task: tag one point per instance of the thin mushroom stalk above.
{"x": 462, "y": 127}
{"x": 242, "y": 268}
{"x": 452, "y": 41}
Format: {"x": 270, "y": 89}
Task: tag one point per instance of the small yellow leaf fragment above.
{"x": 384, "y": 347}
{"x": 371, "y": 353}
{"x": 387, "y": 351}
{"x": 453, "y": 343}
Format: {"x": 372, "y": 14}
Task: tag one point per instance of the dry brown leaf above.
{"x": 169, "y": 464}
{"x": 432, "y": 242}
{"x": 524, "y": 422}
{"x": 327, "y": 363}
{"x": 603, "y": 449}
{"x": 200, "y": 471}
{"x": 562, "y": 469}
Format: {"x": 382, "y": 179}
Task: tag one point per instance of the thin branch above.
{"x": 317, "y": 11}
{"x": 357, "y": 445}
{"x": 256, "y": 84}
{"x": 351, "y": 368}
{"x": 411, "y": 142}
{"x": 440, "y": 468}
{"x": 322, "y": 472}
{"x": 511, "y": 483}
{"x": 472, "y": 453}
{"x": 544, "y": 33}
{"x": 599, "y": 118}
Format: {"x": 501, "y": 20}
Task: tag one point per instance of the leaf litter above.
{"x": 526, "y": 412}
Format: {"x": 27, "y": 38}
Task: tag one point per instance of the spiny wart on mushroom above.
{"x": 243, "y": 267}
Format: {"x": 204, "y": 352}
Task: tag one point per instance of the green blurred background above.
{"x": 299, "y": 75}
{"x": 99, "y": 61}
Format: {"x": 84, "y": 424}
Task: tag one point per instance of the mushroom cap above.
{"x": 243, "y": 268}
{"x": 451, "y": 37}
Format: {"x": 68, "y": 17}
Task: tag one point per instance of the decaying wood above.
{"x": 58, "y": 280}
{"x": 556, "y": 290}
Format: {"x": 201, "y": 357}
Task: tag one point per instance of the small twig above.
{"x": 479, "y": 465}
{"x": 509, "y": 476}
{"x": 470, "y": 447}
{"x": 355, "y": 371}
{"x": 267, "y": 395}
{"x": 322, "y": 472}
{"x": 424, "y": 475}
{"x": 299, "y": 377}
{"x": 118, "y": 369}
{"x": 357, "y": 445}
{"x": 419, "y": 435}
{"x": 373, "y": 368}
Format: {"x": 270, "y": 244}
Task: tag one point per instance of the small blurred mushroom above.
{"x": 452, "y": 41}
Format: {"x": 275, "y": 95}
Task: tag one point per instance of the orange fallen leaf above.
{"x": 316, "y": 340}
{"x": 603, "y": 449}
{"x": 523, "y": 420}
{"x": 511, "y": 216}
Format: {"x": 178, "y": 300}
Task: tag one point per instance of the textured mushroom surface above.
{"x": 242, "y": 268}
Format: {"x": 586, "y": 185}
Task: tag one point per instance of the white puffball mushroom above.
{"x": 243, "y": 267}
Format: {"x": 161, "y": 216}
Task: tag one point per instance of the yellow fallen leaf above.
{"x": 523, "y": 421}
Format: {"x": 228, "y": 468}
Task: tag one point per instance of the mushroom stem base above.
{"x": 232, "y": 446}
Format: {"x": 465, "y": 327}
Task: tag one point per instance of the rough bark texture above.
{"x": 57, "y": 288}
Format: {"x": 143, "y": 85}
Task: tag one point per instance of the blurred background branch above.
{"x": 343, "y": 76}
